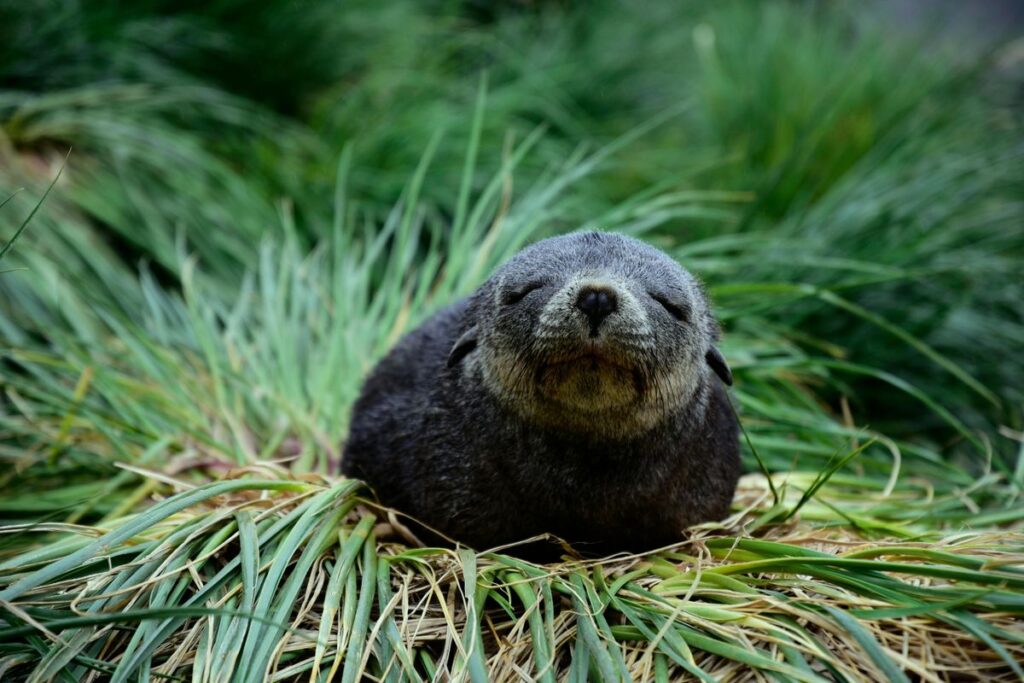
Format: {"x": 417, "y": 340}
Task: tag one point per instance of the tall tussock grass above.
{"x": 186, "y": 317}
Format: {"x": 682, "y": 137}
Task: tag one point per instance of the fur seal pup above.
{"x": 578, "y": 392}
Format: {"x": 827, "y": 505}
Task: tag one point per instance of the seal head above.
{"x": 592, "y": 333}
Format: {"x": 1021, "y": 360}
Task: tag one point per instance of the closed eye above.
{"x": 680, "y": 312}
{"x": 514, "y": 296}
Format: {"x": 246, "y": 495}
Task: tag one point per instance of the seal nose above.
{"x": 597, "y": 303}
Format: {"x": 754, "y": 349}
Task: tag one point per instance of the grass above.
{"x": 227, "y": 252}
{"x": 329, "y": 597}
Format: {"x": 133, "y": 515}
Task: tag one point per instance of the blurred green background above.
{"x": 261, "y": 196}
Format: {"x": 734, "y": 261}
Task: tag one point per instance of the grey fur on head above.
{"x": 573, "y": 393}
{"x": 541, "y": 356}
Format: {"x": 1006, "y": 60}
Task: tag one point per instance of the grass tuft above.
{"x": 190, "y": 592}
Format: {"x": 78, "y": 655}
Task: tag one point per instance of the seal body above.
{"x": 577, "y": 393}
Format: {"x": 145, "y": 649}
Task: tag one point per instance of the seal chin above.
{"x": 589, "y": 382}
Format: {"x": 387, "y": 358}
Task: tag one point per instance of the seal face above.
{"x": 602, "y": 335}
{"x": 574, "y": 393}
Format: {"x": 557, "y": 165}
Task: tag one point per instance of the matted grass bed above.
{"x": 170, "y": 591}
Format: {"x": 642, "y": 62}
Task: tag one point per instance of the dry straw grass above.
{"x": 337, "y": 594}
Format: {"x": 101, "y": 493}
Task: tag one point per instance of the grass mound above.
{"x": 276, "y": 579}
{"x": 186, "y": 319}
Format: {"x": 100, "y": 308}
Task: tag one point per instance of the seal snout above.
{"x": 597, "y": 303}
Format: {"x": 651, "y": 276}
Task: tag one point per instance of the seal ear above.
{"x": 463, "y": 346}
{"x": 717, "y": 362}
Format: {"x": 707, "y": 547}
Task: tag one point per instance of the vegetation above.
{"x": 257, "y": 203}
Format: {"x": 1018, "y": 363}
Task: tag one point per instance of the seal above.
{"x": 578, "y": 393}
